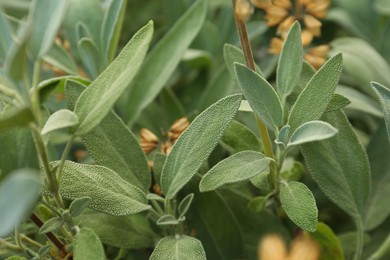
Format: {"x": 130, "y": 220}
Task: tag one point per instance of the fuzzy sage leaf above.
{"x": 60, "y": 119}
{"x": 383, "y": 94}
{"x": 196, "y": 143}
{"x": 87, "y": 245}
{"x": 51, "y": 225}
{"x": 178, "y": 248}
{"x": 300, "y": 206}
{"x": 185, "y": 205}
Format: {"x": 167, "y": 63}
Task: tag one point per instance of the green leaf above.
{"x": 6, "y": 36}
{"x": 130, "y": 232}
{"x": 294, "y": 173}
{"x": 97, "y": 100}
{"x": 123, "y": 155}
{"x": 339, "y": 166}
{"x": 311, "y": 131}
{"x": 360, "y": 102}
{"x": 382, "y": 7}
{"x": 89, "y": 56}
{"x": 162, "y": 60}
{"x": 78, "y": 206}
{"x": 260, "y": 95}
{"x": 60, "y": 119}
{"x": 51, "y": 225}
{"x": 314, "y": 99}
{"x": 178, "y": 248}
{"x": 239, "y": 137}
{"x": 236, "y": 168}
{"x": 60, "y": 58}
{"x": 18, "y": 194}
{"x": 283, "y": 136}
{"x": 46, "y": 18}
{"x": 290, "y": 61}
{"x": 185, "y": 205}
{"x": 383, "y": 94}
{"x": 167, "y": 220}
{"x": 111, "y": 27}
{"x": 109, "y": 192}
{"x": 196, "y": 143}
{"x": 87, "y": 245}
{"x": 15, "y": 118}
{"x": 300, "y": 206}
{"x": 328, "y": 242}
{"x": 257, "y": 204}
{"x": 337, "y": 102}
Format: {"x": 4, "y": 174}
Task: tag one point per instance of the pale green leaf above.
{"x": 46, "y": 18}
{"x": 87, "y": 245}
{"x": 89, "y": 56}
{"x": 260, "y": 95}
{"x": 311, "y": 131}
{"x": 6, "y": 36}
{"x": 178, "y": 248}
{"x": 60, "y": 119}
{"x": 359, "y": 101}
{"x": 97, "y": 100}
{"x": 60, "y": 58}
{"x": 196, "y": 143}
{"x": 300, "y": 206}
{"x": 283, "y": 136}
{"x": 123, "y": 155}
{"x": 339, "y": 166}
{"x": 163, "y": 60}
{"x": 18, "y": 194}
{"x": 315, "y": 97}
{"x": 383, "y": 94}
{"x": 382, "y": 7}
{"x": 290, "y": 61}
{"x": 51, "y": 225}
{"x": 78, "y": 206}
{"x": 236, "y": 168}
{"x": 185, "y": 205}
{"x": 239, "y": 137}
{"x": 15, "y": 118}
{"x": 108, "y": 191}
{"x": 167, "y": 220}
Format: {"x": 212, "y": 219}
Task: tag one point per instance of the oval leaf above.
{"x": 196, "y": 143}
{"x": 383, "y": 94}
{"x": 60, "y": 119}
{"x": 260, "y": 95}
{"x": 239, "y": 137}
{"x": 300, "y": 206}
{"x": 178, "y": 248}
{"x": 290, "y": 61}
{"x": 78, "y": 205}
{"x": 315, "y": 97}
{"x": 87, "y": 245}
{"x": 167, "y": 220}
{"x": 108, "y": 191}
{"x": 185, "y": 204}
{"x": 51, "y": 225}
{"x": 97, "y": 100}
{"x": 311, "y": 131}
{"x": 236, "y": 168}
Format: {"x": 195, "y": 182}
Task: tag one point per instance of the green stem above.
{"x": 157, "y": 207}
{"x": 382, "y": 250}
{"x": 30, "y": 241}
{"x": 36, "y": 100}
{"x": 64, "y": 156}
{"x": 121, "y": 254}
{"x": 6, "y": 244}
{"x": 360, "y": 238}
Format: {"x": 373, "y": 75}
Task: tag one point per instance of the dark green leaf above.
{"x": 337, "y": 102}
{"x": 299, "y": 203}
{"x": 196, "y": 143}
{"x": 87, "y": 245}
{"x": 383, "y": 94}
{"x": 257, "y": 204}
{"x": 60, "y": 119}
{"x": 97, "y": 100}
{"x": 51, "y": 225}
{"x": 328, "y": 242}
{"x": 78, "y": 205}
{"x": 236, "y": 168}
{"x": 239, "y": 137}
{"x": 260, "y": 95}
{"x": 178, "y": 248}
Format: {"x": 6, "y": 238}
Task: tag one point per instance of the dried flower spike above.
{"x": 243, "y": 9}
{"x": 149, "y": 141}
{"x": 177, "y": 128}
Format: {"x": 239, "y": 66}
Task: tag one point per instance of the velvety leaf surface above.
{"x": 315, "y": 97}
{"x": 178, "y": 248}
{"x": 109, "y": 192}
{"x": 163, "y": 59}
{"x": 311, "y": 131}
{"x": 300, "y": 206}
{"x": 97, "y": 100}
{"x": 18, "y": 194}
{"x": 383, "y": 94}
{"x": 339, "y": 166}
{"x": 260, "y": 95}
{"x": 236, "y": 168}
{"x": 60, "y": 119}
{"x": 87, "y": 245}
{"x": 290, "y": 61}
{"x": 196, "y": 143}
{"x": 239, "y": 137}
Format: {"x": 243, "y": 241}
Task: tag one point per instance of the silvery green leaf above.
{"x": 300, "y": 206}
{"x": 185, "y": 204}
{"x": 18, "y": 194}
{"x": 46, "y": 18}
{"x": 87, "y": 245}
{"x": 109, "y": 192}
{"x": 337, "y": 102}
{"x": 89, "y": 55}
{"x": 239, "y": 137}
{"x": 196, "y": 143}
{"x": 260, "y": 95}
{"x": 290, "y": 61}
{"x": 311, "y": 131}
{"x": 282, "y": 137}
{"x": 178, "y": 248}
{"x": 78, "y": 205}
{"x": 51, "y": 225}
{"x": 60, "y": 119}
{"x": 383, "y": 94}
{"x": 315, "y": 97}
{"x": 163, "y": 60}
{"x": 60, "y": 58}
{"x": 236, "y": 168}
{"x": 153, "y": 196}
{"x": 340, "y": 166}
{"x": 167, "y": 220}
{"x": 245, "y": 107}
{"x": 97, "y": 100}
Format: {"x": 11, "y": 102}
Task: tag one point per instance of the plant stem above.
{"x": 157, "y": 207}
{"x": 6, "y": 244}
{"x": 359, "y": 238}
{"x": 64, "y": 156}
{"x": 382, "y": 250}
{"x": 121, "y": 254}
{"x": 36, "y": 100}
